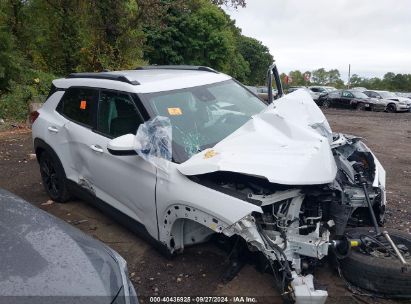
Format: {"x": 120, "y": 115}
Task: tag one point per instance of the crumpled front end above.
{"x": 297, "y": 223}
{"x": 307, "y": 182}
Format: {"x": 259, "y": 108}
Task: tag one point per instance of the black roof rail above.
{"x": 103, "y": 75}
{"x": 178, "y": 67}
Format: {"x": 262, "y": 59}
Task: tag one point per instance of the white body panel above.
{"x": 124, "y": 182}
{"x": 114, "y": 179}
{"x": 51, "y": 129}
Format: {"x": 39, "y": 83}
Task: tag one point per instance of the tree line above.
{"x": 41, "y": 40}
{"x": 45, "y": 39}
{"x": 390, "y": 81}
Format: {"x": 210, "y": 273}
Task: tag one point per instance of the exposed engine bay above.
{"x": 299, "y": 223}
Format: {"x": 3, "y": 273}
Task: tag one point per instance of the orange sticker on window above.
{"x": 175, "y": 111}
{"x": 83, "y": 104}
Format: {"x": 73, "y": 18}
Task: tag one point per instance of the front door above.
{"x": 127, "y": 183}
{"x": 346, "y": 99}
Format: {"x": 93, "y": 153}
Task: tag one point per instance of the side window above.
{"x": 117, "y": 114}
{"x": 315, "y": 90}
{"x": 78, "y": 104}
{"x": 347, "y": 94}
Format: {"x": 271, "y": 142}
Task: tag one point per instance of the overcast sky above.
{"x": 373, "y": 35}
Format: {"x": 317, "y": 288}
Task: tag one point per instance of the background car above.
{"x": 322, "y": 89}
{"x": 321, "y": 93}
{"x": 261, "y": 92}
{"x": 252, "y": 89}
{"x": 352, "y": 99}
{"x": 362, "y": 89}
{"x": 394, "y": 103}
{"x": 313, "y": 95}
{"x": 403, "y": 94}
{"x": 42, "y": 256}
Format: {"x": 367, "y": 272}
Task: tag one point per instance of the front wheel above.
{"x": 391, "y": 108}
{"x": 53, "y": 177}
{"x": 375, "y": 267}
{"x": 361, "y": 106}
{"x": 326, "y": 104}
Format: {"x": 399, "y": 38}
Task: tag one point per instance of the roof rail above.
{"x": 178, "y": 67}
{"x": 104, "y": 75}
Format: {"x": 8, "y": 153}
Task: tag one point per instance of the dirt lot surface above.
{"x": 198, "y": 271}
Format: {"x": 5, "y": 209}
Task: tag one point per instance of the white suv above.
{"x": 273, "y": 175}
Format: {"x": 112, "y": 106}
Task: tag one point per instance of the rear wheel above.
{"x": 375, "y": 267}
{"x": 391, "y": 108}
{"x": 53, "y": 177}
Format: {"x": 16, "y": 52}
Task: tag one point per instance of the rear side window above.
{"x": 117, "y": 114}
{"x": 78, "y": 105}
{"x": 347, "y": 94}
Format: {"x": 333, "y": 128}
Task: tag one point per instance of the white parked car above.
{"x": 209, "y": 158}
{"x": 394, "y": 103}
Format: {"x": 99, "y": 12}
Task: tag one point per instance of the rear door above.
{"x": 77, "y": 108}
{"x": 125, "y": 182}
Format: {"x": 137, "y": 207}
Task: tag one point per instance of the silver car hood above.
{"x": 400, "y": 99}
{"x": 288, "y": 143}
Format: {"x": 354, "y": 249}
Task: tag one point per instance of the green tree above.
{"x": 258, "y": 57}
{"x": 297, "y": 78}
{"x": 10, "y": 58}
{"x": 115, "y": 39}
{"x": 356, "y": 81}
{"x": 200, "y": 34}
{"x": 333, "y": 76}
{"x": 320, "y": 76}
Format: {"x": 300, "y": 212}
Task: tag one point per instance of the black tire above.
{"x": 380, "y": 275}
{"x": 326, "y": 104}
{"x": 53, "y": 177}
{"x": 391, "y": 108}
{"x": 360, "y": 106}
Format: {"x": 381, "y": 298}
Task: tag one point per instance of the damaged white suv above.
{"x": 186, "y": 153}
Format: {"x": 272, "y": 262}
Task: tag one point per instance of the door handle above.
{"x": 53, "y": 129}
{"x": 97, "y": 148}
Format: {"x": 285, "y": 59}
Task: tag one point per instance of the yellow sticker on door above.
{"x": 175, "y": 111}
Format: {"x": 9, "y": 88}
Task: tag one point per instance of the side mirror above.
{"x": 123, "y": 145}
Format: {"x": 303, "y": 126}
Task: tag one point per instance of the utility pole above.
{"x": 349, "y": 76}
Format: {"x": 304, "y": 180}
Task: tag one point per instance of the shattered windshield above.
{"x": 204, "y": 115}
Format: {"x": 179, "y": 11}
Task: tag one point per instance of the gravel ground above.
{"x": 198, "y": 271}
